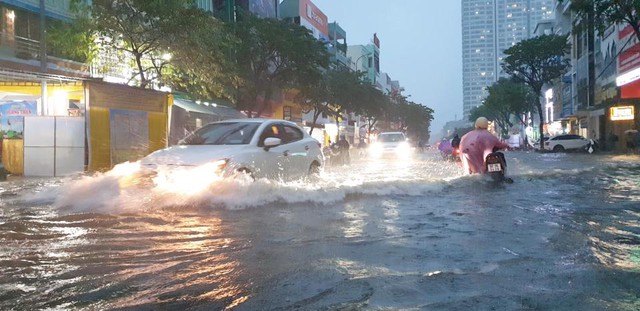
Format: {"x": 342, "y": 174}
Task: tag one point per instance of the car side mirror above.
{"x": 271, "y": 142}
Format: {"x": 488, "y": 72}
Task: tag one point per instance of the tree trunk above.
{"x": 267, "y": 98}
{"x": 143, "y": 80}
{"x": 541, "y": 130}
{"x": 316, "y": 114}
{"x": 338, "y": 126}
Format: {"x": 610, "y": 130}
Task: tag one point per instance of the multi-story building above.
{"x": 488, "y": 28}
{"x": 338, "y": 47}
{"x": 228, "y": 10}
{"x": 366, "y": 59}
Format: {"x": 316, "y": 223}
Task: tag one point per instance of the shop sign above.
{"x": 622, "y": 113}
{"x": 12, "y": 116}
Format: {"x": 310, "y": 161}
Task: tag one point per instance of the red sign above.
{"x": 629, "y": 57}
{"x": 376, "y": 41}
{"x": 313, "y": 15}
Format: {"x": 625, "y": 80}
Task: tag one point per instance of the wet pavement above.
{"x": 407, "y": 234}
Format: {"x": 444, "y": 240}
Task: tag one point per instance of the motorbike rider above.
{"x": 476, "y": 145}
{"x": 455, "y": 141}
{"x": 343, "y": 147}
{"x": 445, "y": 148}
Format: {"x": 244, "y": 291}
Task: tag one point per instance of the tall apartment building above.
{"x": 488, "y": 28}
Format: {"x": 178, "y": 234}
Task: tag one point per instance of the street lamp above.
{"x": 358, "y": 59}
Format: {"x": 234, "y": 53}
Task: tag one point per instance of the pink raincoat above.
{"x": 474, "y": 148}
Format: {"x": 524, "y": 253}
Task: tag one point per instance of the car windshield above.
{"x": 390, "y": 138}
{"x": 225, "y": 133}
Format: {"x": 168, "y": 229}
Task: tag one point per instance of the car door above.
{"x": 298, "y": 149}
{"x": 577, "y": 141}
{"x": 272, "y": 162}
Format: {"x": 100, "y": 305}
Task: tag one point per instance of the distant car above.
{"x": 561, "y": 143}
{"x": 259, "y": 147}
{"x": 390, "y": 144}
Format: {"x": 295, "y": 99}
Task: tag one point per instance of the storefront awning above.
{"x": 13, "y": 76}
{"x": 222, "y": 112}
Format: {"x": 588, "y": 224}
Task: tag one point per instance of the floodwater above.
{"x": 378, "y": 235}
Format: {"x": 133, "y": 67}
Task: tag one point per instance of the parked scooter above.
{"x": 591, "y": 147}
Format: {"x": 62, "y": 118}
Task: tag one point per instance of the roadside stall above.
{"x": 124, "y": 123}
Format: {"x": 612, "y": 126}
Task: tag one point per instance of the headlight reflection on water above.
{"x": 189, "y": 181}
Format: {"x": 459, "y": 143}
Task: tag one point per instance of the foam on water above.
{"x": 118, "y": 191}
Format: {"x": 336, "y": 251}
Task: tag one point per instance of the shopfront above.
{"x": 42, "y": 135}
{"x": 78, "y": 125}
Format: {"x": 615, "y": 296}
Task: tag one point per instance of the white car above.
{"x": 565, "y": 142}
{"x": 275, "y": 149}
{"x": 390, "y": 144}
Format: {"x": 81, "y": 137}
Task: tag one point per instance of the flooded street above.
{"x": 407, "y": 234}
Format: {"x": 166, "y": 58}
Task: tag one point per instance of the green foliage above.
{"x": 342, "y": 90}
{"x": 506, "y": 100}
{"x": 201, "y": 64}
{"x": 605, "y": 13}
{"x": 71, "y": 41}
{"x": 537, "y": 61}
{"x": 273, "y": 55}
{"x": 146, "y": 31}
{"x": 414, "y": 119}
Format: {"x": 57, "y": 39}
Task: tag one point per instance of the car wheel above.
{"x": 558, "y": 148}
{"x": 314, "y": 169}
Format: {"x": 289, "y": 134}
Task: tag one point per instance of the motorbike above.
{"x": 496, "y": 166}
{"x": 592, "y": 146}
{"x": 452, "y": 155}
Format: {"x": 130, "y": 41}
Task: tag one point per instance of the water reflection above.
{"x": 153, "y": 259}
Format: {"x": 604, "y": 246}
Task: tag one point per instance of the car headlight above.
{"x": 403, "y": 147}
{"x": 375, "y": 149}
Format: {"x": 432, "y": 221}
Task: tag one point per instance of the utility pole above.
{"x": 43, "y": 58}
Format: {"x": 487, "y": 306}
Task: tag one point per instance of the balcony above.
{"x": 20, "y": 47}
{"x": 339, "y": 56}
{"x": 23, "y": 54}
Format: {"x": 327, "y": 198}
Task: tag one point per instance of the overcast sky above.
{"x": 420, "y": 45}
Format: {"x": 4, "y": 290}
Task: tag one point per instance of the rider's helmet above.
{"x": 482, "y": 123}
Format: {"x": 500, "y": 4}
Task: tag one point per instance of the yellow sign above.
{"x": 622, "y": 113}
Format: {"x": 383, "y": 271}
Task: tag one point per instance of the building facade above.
{"x": 229, "y": 10}
{"x": 488, "y": 28}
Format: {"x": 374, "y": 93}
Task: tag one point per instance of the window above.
{"x": 291, "y": 134}
{"x": 224, "y": 133}
{"x": 273, "y": 130}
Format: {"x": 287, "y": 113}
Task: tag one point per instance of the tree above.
{"x": 274, "y": 55}
{"x": 416, "y": 120}
{"x": 201, "y": 63}
{"x": 71, "y": 40}
{"x": 535, "y": 62}
{"x": 507, "y": 100}
{"x": 145, "y": 30}
{"x": 337, "y": 90}
{"x": 412, "y": 118}
{"x": 375, "y": 109}
{"x": 606, "y": 13}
